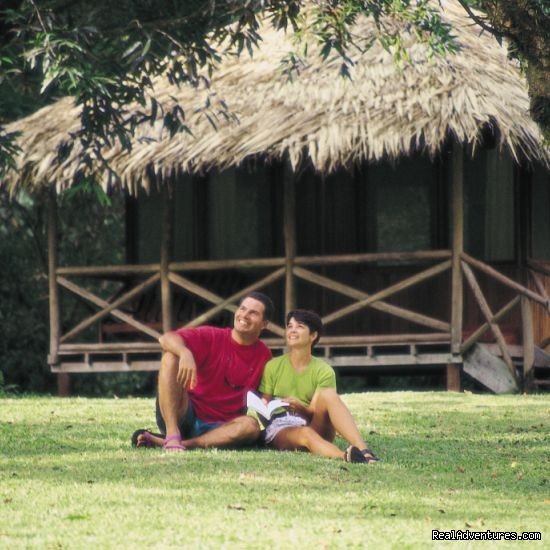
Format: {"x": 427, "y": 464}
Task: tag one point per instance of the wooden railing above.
{"x": 312, "y": 271}
{"x": 301, "y": 269}
{"x": 524, "y": 298}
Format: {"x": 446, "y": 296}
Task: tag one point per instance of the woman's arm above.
{"x": 298, "y": 408}
{"x": 266, "y": 398}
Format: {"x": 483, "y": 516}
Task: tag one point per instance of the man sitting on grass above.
{"x": 204, "y": 375}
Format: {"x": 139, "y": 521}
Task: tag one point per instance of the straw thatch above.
{"x": 381, "y": 112}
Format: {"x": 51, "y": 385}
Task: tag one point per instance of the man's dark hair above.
{"x": 266, "y": 301}
{"x": 308, "y": 318}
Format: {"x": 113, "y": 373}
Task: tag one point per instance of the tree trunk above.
{"x": 526, "y": 24}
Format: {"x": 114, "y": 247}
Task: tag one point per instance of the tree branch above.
{"x": 479, "y": 20}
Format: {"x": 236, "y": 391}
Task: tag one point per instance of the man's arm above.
{"x": 172, "y": 342}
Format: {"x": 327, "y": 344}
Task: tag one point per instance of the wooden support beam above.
{"x": 539, "y": 284}
{"x": 477, "y": 334}
{"x": 55, "y": 324}
{"x": 268, "y": 279}
{"x": 432, "y": 338}
{"x": 289, "y": 229}
{"x": 457, "y": 213}
{"x": 506, "y": 281}
{"x": 105, "y": 271}
{"x": 252, "y": 263}
{"x": 222, "y": 265}
{"x": 453, "y": 378}
{"x": 393, "y": 289}
{"x": 540, "y": 267}
{"x": 110, "y": 347}
{"x": 198, "y": 290}
{"x": 109, "y": 308}
{"x": 166, "y": 246}
{"x": 351, "y": 292}
{"x": 209, "y": 296}
{"x": 528, "y": 344}
{"x": 63, "y": 379}
{"x": 373, "y": 257}
{"x": 488, "y": 314}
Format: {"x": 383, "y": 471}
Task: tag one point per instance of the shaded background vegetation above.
{"x": 92, "y": 226}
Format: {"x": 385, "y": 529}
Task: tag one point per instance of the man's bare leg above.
{"x": 243, "y": 430}
{"x": 173, "y": 398}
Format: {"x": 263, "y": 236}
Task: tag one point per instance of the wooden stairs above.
{"x": 485, "y": 365}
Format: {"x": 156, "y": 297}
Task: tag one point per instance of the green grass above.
{"x": 69, "y": 478}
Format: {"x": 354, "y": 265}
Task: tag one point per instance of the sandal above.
{"x": 369, "y": 456}
{"x": 175, "y": 447}
{"x": 354, "y": 455}
{"x": 146, "y": 440}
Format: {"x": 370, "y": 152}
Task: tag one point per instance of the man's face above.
{"x": 249, "y": 318}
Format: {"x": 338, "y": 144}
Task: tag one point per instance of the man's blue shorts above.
{"x": 190, "y": 425}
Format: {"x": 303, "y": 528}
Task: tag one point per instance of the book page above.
{"x": 256, "y": 403}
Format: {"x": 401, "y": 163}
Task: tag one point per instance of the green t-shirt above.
{"x": 280, "y": 379}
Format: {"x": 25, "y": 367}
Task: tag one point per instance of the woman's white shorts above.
{"x": 280, "y": 423}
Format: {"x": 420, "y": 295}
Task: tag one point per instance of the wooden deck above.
{"x": 360, "y": 353}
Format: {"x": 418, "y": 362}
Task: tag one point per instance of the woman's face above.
{"x": 298, "y": 334}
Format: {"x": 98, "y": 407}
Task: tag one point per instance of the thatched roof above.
{"x": 381, "y": 112}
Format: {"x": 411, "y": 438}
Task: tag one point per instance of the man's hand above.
{"x": 187, "y": 370}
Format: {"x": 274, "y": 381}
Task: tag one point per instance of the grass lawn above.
{"x": 70, "y": 479}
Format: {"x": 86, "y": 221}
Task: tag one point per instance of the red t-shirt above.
{"x": 226, "y": 370}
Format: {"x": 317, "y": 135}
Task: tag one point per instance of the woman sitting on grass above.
{"x": 308, "y": 384}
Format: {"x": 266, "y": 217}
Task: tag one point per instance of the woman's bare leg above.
{"x": 304, "y": 438}
{"x": 332, "y": 415}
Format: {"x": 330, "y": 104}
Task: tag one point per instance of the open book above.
{"x": 254, "y": 402}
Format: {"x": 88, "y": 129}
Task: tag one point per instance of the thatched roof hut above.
{"x": 381, "y": 112}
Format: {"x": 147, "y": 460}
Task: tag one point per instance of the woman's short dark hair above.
{"x": 266, "y": 301}
{"x": 308, "y": 318}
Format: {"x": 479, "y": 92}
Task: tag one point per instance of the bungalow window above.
{"x": 489, "y": 206}
{"x": 404, "y": 206}
{"x": 239, "y": 213}
{"x": 329, "y": 210}
{"x": 376, "y": 208}
{"x": 144, "y": 223}
{"x": 222, "y": 215}
{"x": 540, "y": 214}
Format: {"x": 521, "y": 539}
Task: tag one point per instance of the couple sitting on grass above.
{"x": 206, "y": 373}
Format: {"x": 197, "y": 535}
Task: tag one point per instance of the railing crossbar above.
{"x": 488, "y": 314}
{"x": 480, "y": 331}
{"x": 351, "y": 292}
{"x": 393, "y": 289}
{"x": 488, "y": 270}
{"x": 108, "y": 308}
{"x": 228, "y": 302}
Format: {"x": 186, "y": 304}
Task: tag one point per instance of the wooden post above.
{"x": 166, "y": 246}
{"x": 528, "y": 344}
{"x": 457, "y": 213}
{"x": 63, "y": 382}
{"x": 289, "y": 220}
{"x": 453, "y": 378}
